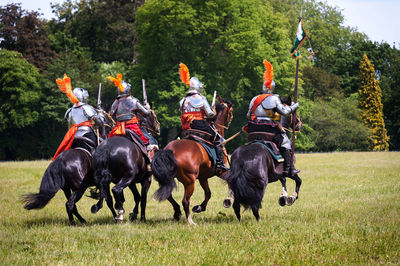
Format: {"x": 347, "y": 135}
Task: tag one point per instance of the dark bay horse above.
{"x": 120, "y": 161}
{"x": 252, "y": 168}
{"x": 67, "y": 172}
{"x": 187, "y": 160}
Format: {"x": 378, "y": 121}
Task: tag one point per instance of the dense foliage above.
{"x": 371, "y": 105}
{"x": 223, "y": 43}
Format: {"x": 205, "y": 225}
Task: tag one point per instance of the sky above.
{"x": 379, "y": 19}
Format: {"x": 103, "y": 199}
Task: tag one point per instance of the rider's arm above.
{"x": 250, "y": 106}
{"x": 142, "y": 109}
{"x": 209, "y": 112}
{"x": 284, "y": 109}
{"x": 91, "y": 114}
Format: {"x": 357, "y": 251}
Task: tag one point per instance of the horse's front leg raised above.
{"x": 207, "y": 195}
{"x": 295, "y": 195}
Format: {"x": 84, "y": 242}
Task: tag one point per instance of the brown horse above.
{"x": 187, "y": 160}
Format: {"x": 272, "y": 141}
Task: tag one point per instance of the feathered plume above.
{"x": 184, "y": 72}
{"x": 268, "y": 74}
{"x": 117, "y": 82}
{"x": 65, "y": 86}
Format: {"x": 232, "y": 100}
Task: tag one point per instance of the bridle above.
{"x": 228, "y": 118}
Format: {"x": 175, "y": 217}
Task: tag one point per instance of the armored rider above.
{"x": 125, "y": 109}
{"x": 80, "y": 118}
{"x": 264, "y": 111}
{"x": 195, "y": 110}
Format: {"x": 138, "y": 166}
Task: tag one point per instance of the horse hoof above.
{"x": 132, "y": 217}
{"x": 121, "y": 211}
{"x": 227, "y": 203}
{"x": 177, "y": 216}
{"x": 94, "y": 209}
{"x": 290, "y": 200}
{"x": 282, "y": 201}
{"x": 197, "y": 209}
{"x": 72, "y": 223}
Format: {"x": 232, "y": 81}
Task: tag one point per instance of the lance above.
{"x": 295, "y": 101}
{"x": 144, "y": 92}
{"x": 98, "y": 107}
{"x": 213, "y": 100}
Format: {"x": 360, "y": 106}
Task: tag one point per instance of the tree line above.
{"x": 223, "y": 43}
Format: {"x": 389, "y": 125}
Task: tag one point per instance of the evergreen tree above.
{"x": 371, "y": 105}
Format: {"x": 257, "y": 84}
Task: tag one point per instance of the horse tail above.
{"x": 164, "y": 170}
{"x": 52, "y": 181}
{"x": 247, "y": 189}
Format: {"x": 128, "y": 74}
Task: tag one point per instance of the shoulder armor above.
{"x": 196, "y": 100}
{"x": 270, "y": 102}
{"x": 89, "y": 111}
{"x": 67, "y": 113}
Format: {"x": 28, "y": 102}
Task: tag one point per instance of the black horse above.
{"x": 252, "y": 168}
{"x": 69, "y": 171}
{"x": 121, "y": 161}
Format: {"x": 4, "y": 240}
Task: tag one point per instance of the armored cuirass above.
{"x": 78, "y": 114}
{"x": 195, "y": 102}
{"x": 125, "y": 108}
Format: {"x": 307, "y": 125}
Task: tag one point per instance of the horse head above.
{"x": 150, "y": 123}
{"x": 108, "y": 124}
{"x": 224, "y": 114}
{"x": 287, "y": 121}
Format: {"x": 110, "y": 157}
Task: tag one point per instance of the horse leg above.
{"x": 136, "y": 196}
{"x": 207, "y": 195}
{"x": 177, "y": 208}
{"x": 236, "y": 208}
{"x": 255, "y": 212}
{"x": 67, "y": 193}
{"x": 284, "y": 194}
{"x": 295, "y": 195}
{"x": 189, "y": 188}
{"x": 73, "y": 199}
{"x": 118, "y": 191}
{"x": 109, "y": 200}
{"x": 143, "y": 201}
{"x": 228, "y": 201}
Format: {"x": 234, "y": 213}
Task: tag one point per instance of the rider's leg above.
{"x": 288, "y": 169}
{"x": 220, "y": 152}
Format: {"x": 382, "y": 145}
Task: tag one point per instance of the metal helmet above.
{"x": 196, "y": 84}
{"x": 127, "y": 88}
{"x": 265, "y": 89}
{"x": 81, "y": 94}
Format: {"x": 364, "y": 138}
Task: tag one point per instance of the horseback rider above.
{"x": 264, "y": 112}
{"x": 196, "y": 110}
{"x": 80, "y": 118}
{"x": 125, "y": 109}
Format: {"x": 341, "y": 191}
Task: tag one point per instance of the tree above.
{"x": 371, "y": 105}
{"x": 222, "y": 42}
{"x": 336, "y": 126}
{"x": 24, "y": 32}
{"x": 105, "y": 27}
{"x": 19, "y": 100}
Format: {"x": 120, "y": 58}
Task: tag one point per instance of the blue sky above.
{"x": 379, "y": 19}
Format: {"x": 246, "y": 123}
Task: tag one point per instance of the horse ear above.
{"x": 220, "y": 99}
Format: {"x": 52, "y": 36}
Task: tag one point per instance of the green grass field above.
{"x": 348, "y": 212}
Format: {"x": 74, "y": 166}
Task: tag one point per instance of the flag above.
{"x": 301, "y": 36}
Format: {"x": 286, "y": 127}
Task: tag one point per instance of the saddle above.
{"x": 204, "y": 139}
{"x": 265, "y": 139}
{"x": 84, "y": 144}
{"x": 129, "y": 134}
{"x": 197, "y": 135}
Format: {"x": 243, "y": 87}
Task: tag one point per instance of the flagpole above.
{"x": 294, "y": 112}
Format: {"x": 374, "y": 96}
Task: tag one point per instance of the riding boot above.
{"x": 288, "y": 171}
{"x": 220, "y": 164}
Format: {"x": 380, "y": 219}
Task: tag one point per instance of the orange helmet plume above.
{"x": 117, "y": 82}
{"x": 268, "y": 74}
{"x": 184, "y": 73}
{"x": 65, "y": 86}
